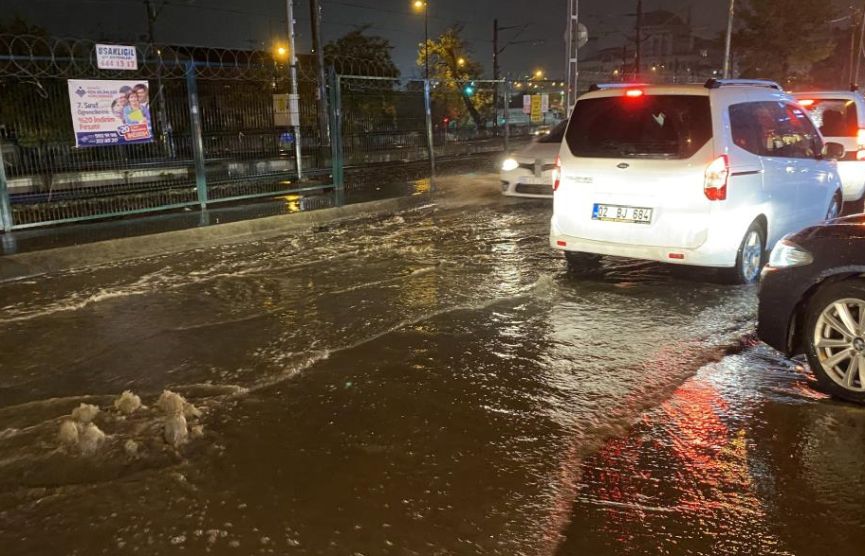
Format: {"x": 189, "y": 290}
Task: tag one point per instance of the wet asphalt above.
{"x": 429, "y": 383}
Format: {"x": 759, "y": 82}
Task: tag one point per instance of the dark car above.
{"x": 812, "y": 301}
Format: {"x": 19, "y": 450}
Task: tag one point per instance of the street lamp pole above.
{"x": 418, "y": 4}
{"x": 426, "y": 37}
{"x": 294, "y": 99}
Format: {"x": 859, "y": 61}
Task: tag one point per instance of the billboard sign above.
{"x": 109, "y": 112}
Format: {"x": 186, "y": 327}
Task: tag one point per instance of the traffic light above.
{"x": 469, "y": 89}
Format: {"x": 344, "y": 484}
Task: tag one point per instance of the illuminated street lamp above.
{"x": 539, "y": 74}
{"x": 461, "y": 62}
{"x": 418, "y": 6}
{"x": 280, "y": 52}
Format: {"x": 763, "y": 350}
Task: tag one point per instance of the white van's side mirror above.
{"x": 833, "y": 151}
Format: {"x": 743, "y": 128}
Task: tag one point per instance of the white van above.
{"x": 840, "y": 117}
{"x": 707, "y": 175}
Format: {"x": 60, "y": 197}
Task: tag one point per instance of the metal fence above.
{"x": 216, "y": 137}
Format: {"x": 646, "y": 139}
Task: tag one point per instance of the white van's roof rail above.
{"x": 602, "y": 86}
{"x": 718, "y": 83}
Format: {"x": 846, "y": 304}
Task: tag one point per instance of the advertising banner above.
{"x": 108, "y": 112}
{"x": 537, "y": 113}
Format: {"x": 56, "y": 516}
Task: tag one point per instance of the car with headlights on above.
{"x": 528, "y": 172}
{"x": 812, "y": 302}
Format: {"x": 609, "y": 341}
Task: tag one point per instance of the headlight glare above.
{"x": 509, "y": 164}
{"x": 787, "y": 254}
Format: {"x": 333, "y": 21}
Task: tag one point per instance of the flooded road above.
{"x": 429, "y": 383}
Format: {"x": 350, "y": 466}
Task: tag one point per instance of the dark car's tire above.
{"x": 829, "y": 335}
{"x": 751, "y": 256}
{"x": 582, "y": 262}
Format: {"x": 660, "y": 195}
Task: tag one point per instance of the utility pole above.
{"x": 321, "y": 90}
{"x": 496, "y": 75}
{"x": 638, "y": 65}
{"x": 294, "y": 98}
{"x": 571, "y": 55}
{"x": 855, "y": 82}
{"x": 151, "y": 20}
{"x": 852, "y": 43}
{"x": 164, "y": 124}
{"x": 730, "y": 15}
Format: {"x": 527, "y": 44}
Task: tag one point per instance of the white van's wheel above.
{"x": 835, "y": 208}
{"x": 751, "y": 255}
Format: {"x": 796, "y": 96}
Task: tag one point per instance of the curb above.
{"x": 24, "y": 265}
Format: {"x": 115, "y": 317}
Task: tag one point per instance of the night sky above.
{"x": 256, "y": 23}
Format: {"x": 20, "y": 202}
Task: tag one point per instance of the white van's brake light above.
{"x": 557, "y": 174}
{"x": 717, "y": 174}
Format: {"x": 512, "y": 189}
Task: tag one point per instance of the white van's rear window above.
{"x": 648, "y": 126}
{"x": 833, "y": 117}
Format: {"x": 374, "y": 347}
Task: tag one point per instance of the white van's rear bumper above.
{"x": 718, "y": 251}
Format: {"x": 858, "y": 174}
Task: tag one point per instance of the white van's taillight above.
{"x": 860, "y": 145}
{"x": 717, "y": 174}
{"x": 557, "y": 174}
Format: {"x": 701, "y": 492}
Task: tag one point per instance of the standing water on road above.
{"x": 426, "y": 383}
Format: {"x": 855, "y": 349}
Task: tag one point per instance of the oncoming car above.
{"x": 840, "y": 117}
{"x": 529, "y": 171}
{"x": 707, "y": 175}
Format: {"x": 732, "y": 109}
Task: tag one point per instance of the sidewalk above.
{"x": 386, "y": 181}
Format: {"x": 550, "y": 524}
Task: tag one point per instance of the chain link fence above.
{"x": 219, "y": 101}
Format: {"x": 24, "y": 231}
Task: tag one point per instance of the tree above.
{"x": 781, "y": 39}
{"x": 451, "y": 65}
{"x": 367, "y": 105}
{"x": 20, "y": 26}
{"x": 358, "y": 54}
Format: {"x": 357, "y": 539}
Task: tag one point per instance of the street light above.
{"x": 539, "y": 74}
{"x": 280, "y": 52}
{"x": 461, "y": 62}
{"x": 418, "y": 6}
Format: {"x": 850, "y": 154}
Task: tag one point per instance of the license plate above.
{"x": 532, "y": 180}
{"x": 617, "y": 213}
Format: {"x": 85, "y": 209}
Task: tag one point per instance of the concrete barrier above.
{"x": 23, "y": 265}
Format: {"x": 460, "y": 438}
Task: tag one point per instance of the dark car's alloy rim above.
{"x": 839, "y": 342}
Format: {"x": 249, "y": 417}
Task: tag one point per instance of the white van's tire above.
{"x": 835, "y": 208}
{"x": 751, "y": 256}
{"x": 582, "y": 262}
{"x": 855, "y": 207}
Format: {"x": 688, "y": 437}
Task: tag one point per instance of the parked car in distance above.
{"x": 708, "y": 175}
{"x": 840, "y": 117}
{"x": 529, "y": 171}
{"x": 812, "y": 302}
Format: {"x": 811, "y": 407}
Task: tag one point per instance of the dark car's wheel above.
{"x": 582, "y": 262}
{"x": 750, "y": 257}
{"x": 835, "y": 339}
